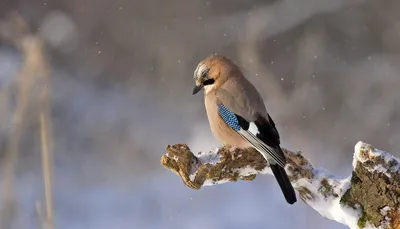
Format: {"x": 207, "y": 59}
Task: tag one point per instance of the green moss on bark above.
{"x": 373, "y": 191}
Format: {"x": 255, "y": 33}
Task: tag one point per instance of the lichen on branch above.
{"x": 369, "y": 197}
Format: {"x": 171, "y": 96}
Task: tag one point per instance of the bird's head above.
{"x": 212, "y": 72}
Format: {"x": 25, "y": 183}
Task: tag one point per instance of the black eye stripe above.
{"x": 208, "y": 82}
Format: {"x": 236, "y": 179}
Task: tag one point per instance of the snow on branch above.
{"x": 368, "y": 198}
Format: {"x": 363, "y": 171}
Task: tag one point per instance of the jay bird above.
{"x": 237, "y": 115}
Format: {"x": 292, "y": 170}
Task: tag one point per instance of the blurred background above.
{"x": 92, "y": 91}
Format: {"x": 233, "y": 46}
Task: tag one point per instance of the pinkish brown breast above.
{"x": 224, "y": 134}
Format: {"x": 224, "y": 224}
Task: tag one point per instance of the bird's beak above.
{"x": 197, "y": 88}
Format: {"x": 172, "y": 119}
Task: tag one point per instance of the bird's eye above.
{"x": 204, "y": 73}
{"x": 208, "y": 82}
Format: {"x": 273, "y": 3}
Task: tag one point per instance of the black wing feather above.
{"x": 267, "y": 131}
{"x": 242, "y": 122}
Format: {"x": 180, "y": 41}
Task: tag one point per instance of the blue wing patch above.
{"x": 229, "y": 117}
{"x": 246, "y": 130}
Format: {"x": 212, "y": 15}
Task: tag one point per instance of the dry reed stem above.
{"x": 47, "y": 170}
{"x": 32, "y": 80}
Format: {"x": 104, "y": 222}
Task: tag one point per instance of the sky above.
{"x": 121, "y": 81}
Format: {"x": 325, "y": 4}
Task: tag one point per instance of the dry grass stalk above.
{"x": 33, "y": 87}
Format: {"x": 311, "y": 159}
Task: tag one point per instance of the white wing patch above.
{"x": 253, "y": 129}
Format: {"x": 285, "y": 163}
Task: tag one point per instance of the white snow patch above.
{"x": 380, "y": 169}
{"x": 192, "y": 176}
{"x": 210, "y": 182}
{"x": 330, "y": 207}
{"x": 359, "y": 147}
{"x": 384, "y": 210}
{"x": 212, "y": 157}
{"x": 248, "y": 170}
{"x": 364, "y": 152}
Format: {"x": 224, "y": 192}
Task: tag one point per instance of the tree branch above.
{"x": 369, "y": 197}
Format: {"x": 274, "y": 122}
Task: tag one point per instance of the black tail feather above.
{"x": 284, "y": 183}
